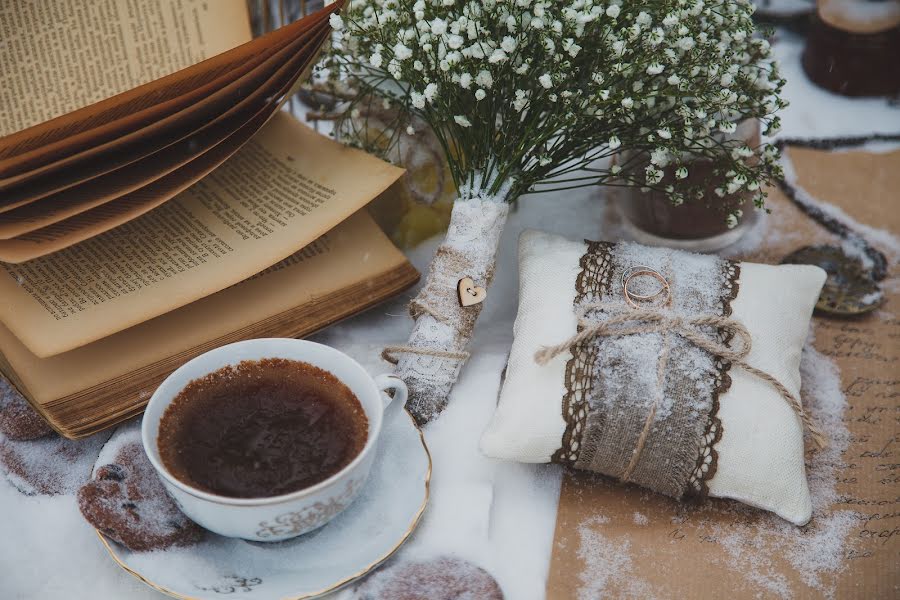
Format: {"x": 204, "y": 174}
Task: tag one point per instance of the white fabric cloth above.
{"x": 760, "y": 455}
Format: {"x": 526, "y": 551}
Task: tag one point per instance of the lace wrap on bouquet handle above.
{"x": 617, "y": 386}
{"x": 430, "y": 363}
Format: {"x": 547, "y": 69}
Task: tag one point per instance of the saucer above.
{"x": 311, "y": 565}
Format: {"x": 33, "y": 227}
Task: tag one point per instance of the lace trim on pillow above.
{"x": 708, "y": 461}
{"x": 594, "y": 279}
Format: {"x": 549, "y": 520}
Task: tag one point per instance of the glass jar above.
{"x": 650, "y": 217}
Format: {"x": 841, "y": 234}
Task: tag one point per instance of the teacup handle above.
{"x": 387, "y": 382}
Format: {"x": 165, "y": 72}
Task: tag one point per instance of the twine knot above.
{"x": 703, "y": 331}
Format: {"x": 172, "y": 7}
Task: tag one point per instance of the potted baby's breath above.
{"x": 528, "y": 97}
{"x": 722, "y": 215}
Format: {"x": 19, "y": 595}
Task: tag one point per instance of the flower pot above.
{"x": 651, "y": 218}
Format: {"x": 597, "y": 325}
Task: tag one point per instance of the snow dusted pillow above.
{"x": 687, "y": 386}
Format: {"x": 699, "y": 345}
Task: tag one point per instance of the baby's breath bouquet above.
{"x": 529, "y": 96}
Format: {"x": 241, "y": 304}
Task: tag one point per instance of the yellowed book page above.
{"x": 61, "y": 55}
{"x": 207, "y": 148}
{"x": 354, "y": 251}
{"x": 281, "y": 191}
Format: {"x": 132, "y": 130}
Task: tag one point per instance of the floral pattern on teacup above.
{"x": 232, "y": 584}
{"x": 300, "y": 521}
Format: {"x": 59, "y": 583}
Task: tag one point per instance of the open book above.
{"x": 274, "y": 239}
{"x": 99, "y": 165}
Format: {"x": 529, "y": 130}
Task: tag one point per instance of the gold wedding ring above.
{"x": 630, "y": 271}
{"x": 639, "y": 271}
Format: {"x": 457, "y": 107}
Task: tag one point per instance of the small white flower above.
{"x": 480, "y": 94}
{"x": 613, "y": 11}
{"x": 497, "y": 56}
{"x": 545, "y": 81}
{"x": 729, "y": 127}
{"x": 462, "y": 121}
{"x": 731, "y": 221}
{"x": 654, "y": 69}
{"x": 454, "y": 42}
{"x": 615, "y": 169}
{"x": 653, "y": 175}
{"x": 417, "y": 99}
{"x": 736, "y": 183}
{"x": 627, "y": 102}
{"x": 664, "y": 133}
{"x": 614, "y": 142}
{"x": 571, "y": 47}
{"x": 375, "y": 60}
{"x": 430, "y": 91}
{"x": 410, "y": 130}
{"x": 686, "y": 43}
{"x": 438, "y": 26}
{"x": 336, "y": 22}
{"x": 402, "y": 52}
{"x": 465, "y": 80}
{"x": 659, "y": 157}
{"x": 681, "y": 172}
{"x": 521, "y": 101}
{"x": 484, "y": 79}
{"x": 508, "y": 44}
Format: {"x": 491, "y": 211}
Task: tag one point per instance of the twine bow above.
{"x": 625, "y": 321}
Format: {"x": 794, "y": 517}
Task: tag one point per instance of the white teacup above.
{"x": 274, "y": 518}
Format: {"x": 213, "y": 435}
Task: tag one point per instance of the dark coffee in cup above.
{"x": 261, "y": 428}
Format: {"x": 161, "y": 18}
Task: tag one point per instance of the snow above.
{"x": 499, "y": 515}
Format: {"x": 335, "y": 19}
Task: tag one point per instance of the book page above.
{"x": 61, "y": 55}
{"x": 145, "y": 184}
{"x": 282, "y": 190}
{"x": 355, "y": 252}
{"x": 99, "y": 138}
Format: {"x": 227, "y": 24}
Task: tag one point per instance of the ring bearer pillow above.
{"x": 674, "y": 371}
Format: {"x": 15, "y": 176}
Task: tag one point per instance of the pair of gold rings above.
{"x": 633, "y": 272}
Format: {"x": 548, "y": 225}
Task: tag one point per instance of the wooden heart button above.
{"x": 469, "y": 293}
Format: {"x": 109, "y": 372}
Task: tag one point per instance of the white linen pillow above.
{"x": 760, "y": 456}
